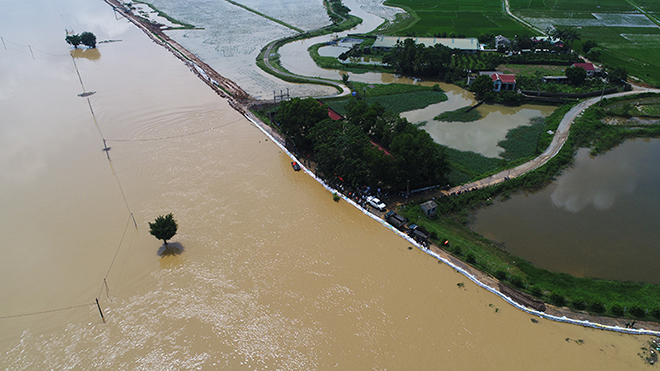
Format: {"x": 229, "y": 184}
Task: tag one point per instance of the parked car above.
{"x": 378, "y": 204}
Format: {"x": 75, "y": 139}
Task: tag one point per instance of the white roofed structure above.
{"x": 386, "y": 43}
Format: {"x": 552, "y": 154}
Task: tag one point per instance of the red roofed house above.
{"x": 589, "y": 67}
{"x": 503, "y": 82}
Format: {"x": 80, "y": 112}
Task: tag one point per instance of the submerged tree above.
{"x": 73, "y": 40}
{"x": 88, "y": 39}
{"x": 164, "y": 227}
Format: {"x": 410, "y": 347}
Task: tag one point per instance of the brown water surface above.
{"x": 269, "y": 272}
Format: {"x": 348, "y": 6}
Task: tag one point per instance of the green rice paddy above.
{"x": 470, "y": 18}
{"x": 627, "y": 32}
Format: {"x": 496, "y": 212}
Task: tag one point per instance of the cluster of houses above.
{"x": 501, "y": 81}
{"x": 504, "y": 82}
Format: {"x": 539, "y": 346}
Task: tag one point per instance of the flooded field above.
{"x": 268, "y": 272}
{"x": 232, "y": 37}
{"x": 600, "y": 218}
{"x": 479, "y": 136}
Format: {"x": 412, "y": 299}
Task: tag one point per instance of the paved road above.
{"x": 557, "y": 143}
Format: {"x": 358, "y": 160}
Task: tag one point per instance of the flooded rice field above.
{"x": 266, "y": 271}
{"x": 232, "y": 37}
{"x": 600, "y": 218}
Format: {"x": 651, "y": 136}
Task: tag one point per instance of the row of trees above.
{"x": 86, "y": 38}
{"x": 346, "y": 149}
{"x": 412, "y": 59}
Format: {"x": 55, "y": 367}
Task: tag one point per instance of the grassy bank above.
{"x": 601, "y": 297}
{"x": 334, "y": 63}
{"x": 395, "y": 97}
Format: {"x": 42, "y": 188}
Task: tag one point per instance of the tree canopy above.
{"x": 86, "y": 38}
{"x": 164, "y": 227}
{"x": 297, "y": 116}
{"x": 481, "y": 85}
{"x": 73, "y": 40}
{"x": 409, "y": 58}
{"x": 372, "y": 147}
{"x": 576, "y": 75}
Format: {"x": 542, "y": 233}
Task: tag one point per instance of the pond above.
{"x": 600, "y": 218}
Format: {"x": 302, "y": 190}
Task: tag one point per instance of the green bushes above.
{"x": 558, "y": 299}
{"x": 597, "y": 307}
{"x": 616, "y": 309}
{"x": 579, "y": 304}
{"x": 463, "y": 114}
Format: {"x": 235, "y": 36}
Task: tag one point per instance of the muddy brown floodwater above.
{"x": 270, "y": 272}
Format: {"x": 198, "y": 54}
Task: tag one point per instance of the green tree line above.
{"x": 347, "y": 150}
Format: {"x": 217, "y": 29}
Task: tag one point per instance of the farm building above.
{"x": 430, "y": 208}
{"x": 386, "y": 43}
{"x": 589, "y": 67}
{"x": 556, "y": 79}
{"x": 501, "y": 41}
{"x": 501, "y": 81}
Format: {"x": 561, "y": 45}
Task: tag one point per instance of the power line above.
{"x": 47, "y": 311}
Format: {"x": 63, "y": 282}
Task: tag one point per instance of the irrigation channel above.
{"x": 205, "y": 72}
{"x": 268, "y": 272}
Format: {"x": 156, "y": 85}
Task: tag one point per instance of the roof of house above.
{"x": 586, "y": 66}
{"x": 463, "y": 44}
{"x": 430, "y": 204}
{"x": 507, "y": 79}
{"x": 332, "y": 113}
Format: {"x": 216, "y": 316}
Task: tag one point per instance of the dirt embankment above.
{"x": 223, "y": 86}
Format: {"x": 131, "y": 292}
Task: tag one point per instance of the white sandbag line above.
{"x": 471, "y": 277}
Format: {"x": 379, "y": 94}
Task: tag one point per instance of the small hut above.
{"x": 429, "y": 208}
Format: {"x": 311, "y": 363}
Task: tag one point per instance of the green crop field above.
{"x": 470, "y": 18}
{"x": 627, "y": 32}
{"x": 627, "y": 36}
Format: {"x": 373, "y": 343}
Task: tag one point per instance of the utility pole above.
{"x": 100, "y": 311}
